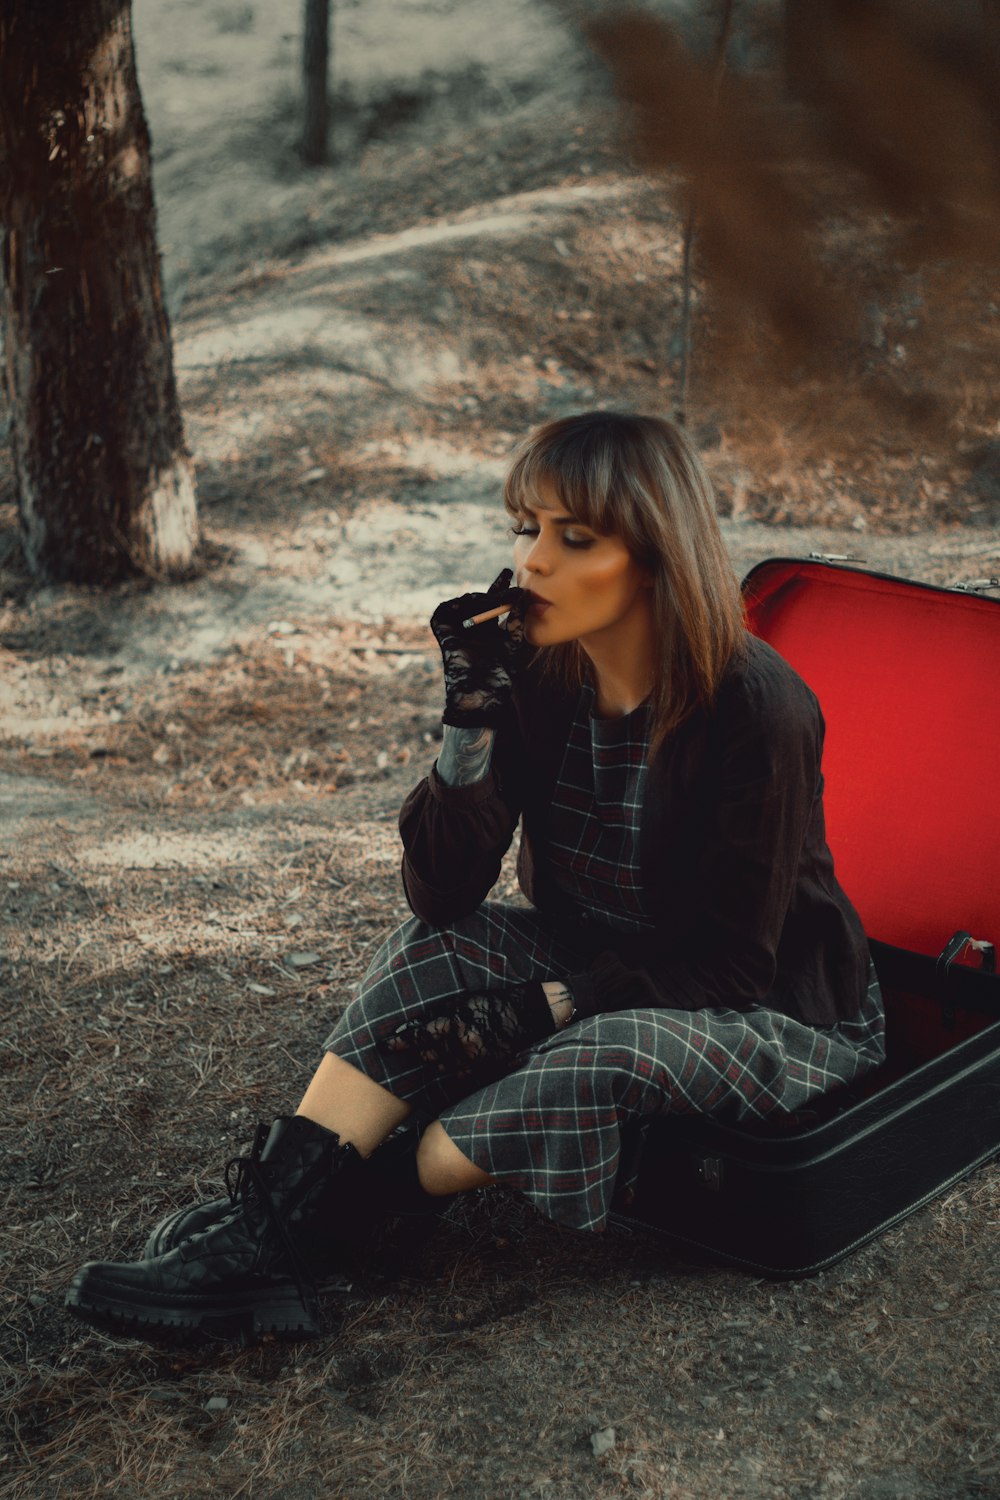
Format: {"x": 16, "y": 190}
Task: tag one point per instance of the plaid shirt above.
{"x": 593, "y": 844}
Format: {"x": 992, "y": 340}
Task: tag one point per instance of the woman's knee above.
{"x": 375, "y": 1010}
{"x": 616, "y": 1066}
{"x": 399, "y": 980}
{"x": 389, "y": 973}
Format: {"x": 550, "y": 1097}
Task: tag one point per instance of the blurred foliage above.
{"x": 897, "y": 113}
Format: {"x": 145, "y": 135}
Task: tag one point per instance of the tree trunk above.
{"x": 105, "y": 482}
{"x": 806, "y": 42}
{"x": 315, "y": 76}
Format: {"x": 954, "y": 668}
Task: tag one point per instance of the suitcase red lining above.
{"x": 906, "y": 675}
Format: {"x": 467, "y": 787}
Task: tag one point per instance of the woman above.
{"x": 687, "y": 947}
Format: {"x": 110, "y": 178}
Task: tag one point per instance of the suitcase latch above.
{"x": 951, "y": 951}
{"x": 710, "y": 1172}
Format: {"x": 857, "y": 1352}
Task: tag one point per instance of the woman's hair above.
{"x": 640, "y": 479}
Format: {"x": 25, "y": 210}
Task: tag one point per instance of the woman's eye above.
{"x": 570, "y": 538}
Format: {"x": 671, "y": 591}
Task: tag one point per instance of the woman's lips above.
{"x": 539, "y": 604}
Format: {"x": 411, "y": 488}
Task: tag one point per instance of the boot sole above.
{"x": 245, "y": 1318}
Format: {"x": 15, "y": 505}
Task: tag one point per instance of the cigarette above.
{"x": 489, "y": 614}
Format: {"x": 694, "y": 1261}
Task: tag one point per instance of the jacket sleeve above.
{"x": 454, "y": 840}
{"x": 767, "y": 795}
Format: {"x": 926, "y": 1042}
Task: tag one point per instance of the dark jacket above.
{"x": 736, "y": 870}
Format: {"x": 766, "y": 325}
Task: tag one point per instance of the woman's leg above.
{"x": 553, "y": 1129}
{"x": 254, "y": 1270}
{"x": 415, "y": 972}
{"x": 362, "y": 1112}
{"x": 443, "y": 1169}
{"x": 361, "y": 1092}
{"x": 359, "y": 1110}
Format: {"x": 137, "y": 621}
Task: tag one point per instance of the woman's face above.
{"x": 586, "y": 585}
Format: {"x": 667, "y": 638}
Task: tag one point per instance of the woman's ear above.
{"x": 647, "y": 571}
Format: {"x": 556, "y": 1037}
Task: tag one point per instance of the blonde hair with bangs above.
{"x": 639, "y": 478}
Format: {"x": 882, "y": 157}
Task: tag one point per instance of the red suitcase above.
{"x": 907, "y": 677}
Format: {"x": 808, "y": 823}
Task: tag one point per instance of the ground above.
{"x": 200, "y": 786}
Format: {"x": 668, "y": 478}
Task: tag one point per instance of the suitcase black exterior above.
{"x": 906, "y": 675}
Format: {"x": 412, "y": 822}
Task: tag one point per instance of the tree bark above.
{"x": 105, "y": 481}
{"x": 805, "y": 48}
{"x": 315, "y": 78}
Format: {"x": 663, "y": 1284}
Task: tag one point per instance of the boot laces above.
{"x": 245, "y": 1182}
{"x": 238, "y": 1168}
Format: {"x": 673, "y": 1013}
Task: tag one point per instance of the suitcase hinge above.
{"x": 710, "y": 1172}
{"x": 975, "y": 585}
{"x": 836, "y": 557}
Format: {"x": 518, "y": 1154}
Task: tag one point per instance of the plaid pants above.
{"x": 552, "y": 1127}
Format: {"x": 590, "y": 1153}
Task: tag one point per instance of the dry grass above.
{"x": 159, "y": 1013}
{"x": 253, "y": 725}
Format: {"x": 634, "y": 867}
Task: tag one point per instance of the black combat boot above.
{"x": 389, "y": 1188}
{"x": 253, "y": 1270}
{"x": 183, "y": 1223}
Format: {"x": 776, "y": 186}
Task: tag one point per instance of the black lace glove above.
{"x": 480, "y": 663}
{"x": 476, "y": 1037}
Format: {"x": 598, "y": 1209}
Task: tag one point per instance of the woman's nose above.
{"x": 537, "y": 560}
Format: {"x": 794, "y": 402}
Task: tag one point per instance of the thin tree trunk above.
{"x": 104, "y": 479}
{"x": 684, "y": 373}
{"x": 805, "y": 48}
{"x": 690, "y": 225}
{"x": 315, "y": 77}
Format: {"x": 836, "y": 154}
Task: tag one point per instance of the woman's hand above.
{"x": 476, "y": 1036}
{"x": 561, "y": 1002}
{"x": 481, "y": 662}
